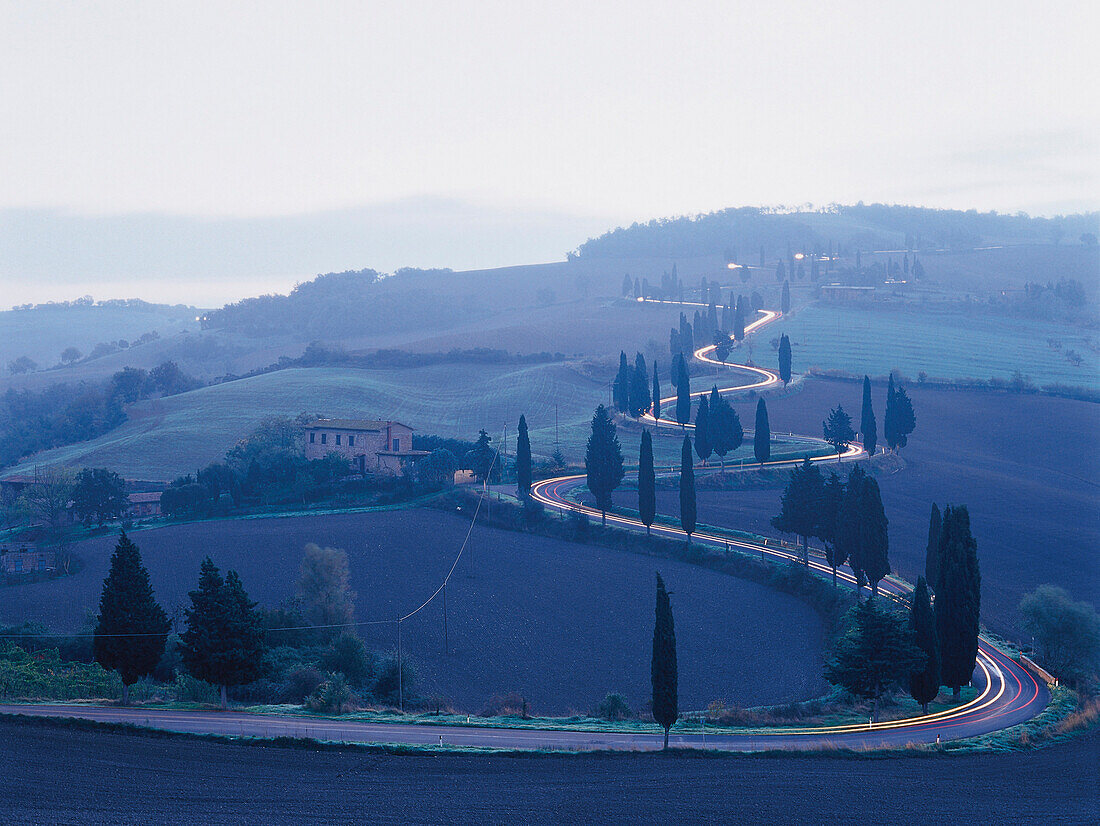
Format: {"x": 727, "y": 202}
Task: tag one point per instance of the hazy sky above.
{"x": 600, "y": 113}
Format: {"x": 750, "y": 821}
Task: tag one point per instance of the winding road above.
{"x": 1008, "y": 693}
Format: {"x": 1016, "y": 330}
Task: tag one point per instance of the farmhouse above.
{"x": 20, "y": 558}
{"x": 371, "y": 446}
{"x": 143, "y": 504}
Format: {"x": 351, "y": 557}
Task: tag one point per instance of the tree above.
{"x": 722, "y": 344}
{"x": 900, "y": 419}
{"x": 800, "y": 503}
{"x": 862, "y": 529}
{"x": 639, "y": 387}
{"x": 666, "y": 707}
{"x": 877, "y": 655}
{"x": 785, "y": 359}
{"x": 131, "y": 629}
{"x": 867, "y": 425}
{"x": 828, "y": 519}
{"x": 958, "y": 599}
{"x": 647, "y": 482}
{"x": 932, "y": 550}
{"x": 437, "y": 468}
{"x": 785, "y": 300}
{"x": 656, "y": 394}
{"x": 702, "y": 430}
{"x": 70, "y": 355}
{"x": 924, "y": 684}
{"x": 739, "y": 320}
{"x": 837, "y": 430}
{"x": 99, "y": 495}
{"x": 482, "y": 460}
{"x": 324, "y": 589}
{"x": 683, "y": 393}
{"x": 687, "y": 490}
{"x": 603, "y": 461}
{"x": 23, "y": 364}
{"x": 628, "y": 285}
{"x": 724, "y": 424}
{"x": 47, "y": 501}
{"x": 223, "y": 643}
{"x": 523, "y": 460}
{"x": 620, "y": 392}
{"x": 762, "y": 435}
{"x": 1066, "y": 632}
{"x": 780, "y": 271}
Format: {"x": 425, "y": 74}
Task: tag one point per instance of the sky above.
{"x": 492, "y": 133}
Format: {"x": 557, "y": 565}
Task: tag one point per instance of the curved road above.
{"x": 1007, "y": 692}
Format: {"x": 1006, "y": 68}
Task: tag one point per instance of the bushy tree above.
{"x": 70, "y": 355}
{"x": 483, "y": 461}
{"x": 1067, "y": 632}
{"x": 647, "y": 482}
{"x": 437, "y": 468}
{"x": 687, "y": 489}
{"x": 99, "y": 495}
{"x": 603, "y": 461}
{"x": 924, "y": 684}
{"x": 762, "y": 435}
{"x": 663, "y": 672}
{"x": 131, "y": 628}
{"x": 223, "y": 643}
{"x": 837, "y": 430}
{"x": 523, "y": 460}
{"x": 958, "y": 599}
{"x": 324, "y": 589}
{"x": 800, "y": 503}
{"x": 867, "y": 424}
{"x": 876, "y": 656}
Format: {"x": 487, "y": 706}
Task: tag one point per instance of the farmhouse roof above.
{"x": 373, "y": 425}
{"x": 138, "y": 498}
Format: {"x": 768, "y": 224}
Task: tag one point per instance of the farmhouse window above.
{"x": 324, "y": 438}
{"x": 351, "y": 441}
{"x": 397, "y": 445}
{"x": 312, "y": 437}
{"x": 337, "y": 438}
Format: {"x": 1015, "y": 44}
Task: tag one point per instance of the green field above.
{"x": 943, "y": 345}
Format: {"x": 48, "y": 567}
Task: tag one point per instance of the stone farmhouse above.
{"x": 371, "y": 446}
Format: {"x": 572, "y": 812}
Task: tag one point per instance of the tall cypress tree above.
{"x": 666, "y": 707}
{"x": 131, "y": 628}
{"x": 900, "y": 420}
{"x": 620, "y": 391}
{"x": 683, "y": 394}
{"x": 889, "y": 426}
{"x": 656, "y": 400}
{"x": 223, "y": 643}
{"x": 874, "y": 534}
{"x": 639, "y": 387}
{"x": 924, "y": 685}
{"x": 828, "y": 519}
{"x": 687, "y": 490}
{"x": 523, "y": 460}
{"x": 739, "y": 320}
{"x": 958, "y": 599}
{"x": 785, "y": 359}
{"x": 762, "y": 436}
{"x": 785, "y": 301}
{"x": 932, "y": 550}
{"x": 647, "y": 482}
{"x": 800, "y": 504}
{"x": 848, "y": 533}
{"x": 603, "y": 461}
{"x": 702, "y": 430}
{"x": 867, "y": 425}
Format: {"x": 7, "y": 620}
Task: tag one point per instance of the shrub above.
{"x": 1067, "y": 632}
{"x": 301, "y": 683}
{"x": 348, "y": 656}
{"x": 613, "y": 707}
{"x": 333, "y": 696}
{"x": 386, "y": 686}
{"x": 511, "y": 704}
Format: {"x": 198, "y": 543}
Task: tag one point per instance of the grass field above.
{"x": 943, "y": 345}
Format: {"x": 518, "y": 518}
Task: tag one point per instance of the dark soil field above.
{"x": 129, "y": 778}
{"x": 560, "y": 623}
{"x": 1026, "y": 467}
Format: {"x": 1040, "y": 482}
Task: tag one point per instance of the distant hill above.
{"x": 741, "y": 232}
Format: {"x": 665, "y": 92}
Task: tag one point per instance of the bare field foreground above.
{"x": 560, "y": 623}
{"x": 126, "y": 778}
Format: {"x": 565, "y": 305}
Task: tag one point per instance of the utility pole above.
{"x": 555, "y": 425}
{"x": 446, "y": 647}
{"x": 400, "y": 676}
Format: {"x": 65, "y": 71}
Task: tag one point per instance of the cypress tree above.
{"x": 762, "y": 436}
{"x": 674, "y": 374}
{"x": 932, "y": 550}
{"x": 800, "y": 505}
{"x": 848, "y": 539}
{"x": 874, "y": 534}
{"x": 131, "y": 628}
{"x": 958, "y": 599}
{"x": 647, "y": 482}
{"x": 620, "y": 392}
{"x": 628, "y": 285}
{"x": 639, "y": 387}
{"x": 683, "y": 394}
{"x": 785, "y": 359}
{"x": 828, "y": 517}
{"x": 924, "y": 685}
{"x": 702, "y": 430}
{"x": 665, "y": 682}
{"x": 837, "y": 430}
{"x": 603, "y": 461}
{"x": 889, "y": 427}
{"x": 785, "y": 301}
{"x": 727, "y": 319}
{"x": 223, "y": 643}
{"x": 712, "y": 319}
{"x": 687, "y": 490}
{"x": 523, "y": 460}
{"x": 900, "y": 420}
{"x": 725, "y": 429}
{"x": 656, "y": 400}
{"x": 673, "y": 343}
{"x": 739, "y": 320}
{"x": 780, "y": 271}
{"x": 867, "y": 425}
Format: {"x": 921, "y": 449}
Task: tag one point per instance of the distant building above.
{"x": 370, "y": 446}
{"x": 20, "y": 558}
{"x": 846, "y": 292}
{"x": 139, "y": 505}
